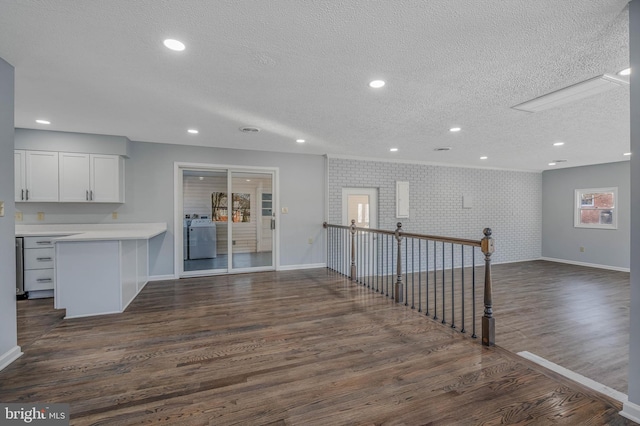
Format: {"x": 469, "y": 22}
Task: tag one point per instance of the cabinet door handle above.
{"x": 87, "y": 195}
{"x": 91, "y": 195}
{"x": 44, "y": 280}
{"x": 27, "y": 199}
{"x": 44, "y": 242}
{"x": 22, "y": 195}
{"x": 43, "y": 259}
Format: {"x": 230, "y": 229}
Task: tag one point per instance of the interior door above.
{"x": 361, "y": 205}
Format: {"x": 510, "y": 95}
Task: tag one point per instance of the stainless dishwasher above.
{"x": 19, "y": 267}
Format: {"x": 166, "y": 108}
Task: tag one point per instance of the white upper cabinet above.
{"x": 20, "y": 182}
{"x": 107, "y": 178}
{"x": 74, "y": 177}
{"x": 41, "y": 176}
{"x": 91, "y": 178}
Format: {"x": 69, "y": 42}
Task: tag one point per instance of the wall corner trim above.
{"x": 10, "y": 356}
{"x": 588, "y": 265}
{"x": 162, "y": 277}
{"x": 304, "y": 266}
{"x": 631, "y": 411}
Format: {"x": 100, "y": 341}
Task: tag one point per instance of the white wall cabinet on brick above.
{"x": 91, "y": 178}
{"x": 36, "y": 176}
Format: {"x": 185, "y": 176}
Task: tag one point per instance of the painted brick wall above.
{"x": 508, "y": 202}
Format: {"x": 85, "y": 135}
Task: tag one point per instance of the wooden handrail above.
{"x": 463, "y": 241}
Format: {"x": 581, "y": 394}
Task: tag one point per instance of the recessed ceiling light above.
{"x": 484, "y": 157}
{"x": 558, "y": 144}
{"x": 627, "y": 153}
{"x": 43, "y": 122}
{"x": 626, "y": 71}
{"x": 552, "y": 164}
{"x": 201, "y": 178}
{"x": 300, "y": 140}
{"x": 376, "y": 84}
{"x": 393, "y": 149}
{"x": 455, "y": 129}
{"x": 193, "y": 131}
{"x": 248, "y": 180}
{"x": 174, "y": 44}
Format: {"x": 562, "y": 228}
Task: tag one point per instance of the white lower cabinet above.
{"x": 39, "y": 274}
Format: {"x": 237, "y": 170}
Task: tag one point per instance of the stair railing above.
{"x": 403, "y": 268}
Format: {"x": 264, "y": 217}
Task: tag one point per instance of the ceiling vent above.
{"x": 249, "y": 129}
{"x": 572, "y": 93}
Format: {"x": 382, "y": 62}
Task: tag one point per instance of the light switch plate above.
{"x": 40, "y": 215}
{"x": 1, "y": 208}
{"x": 114, "y": 215}
{"x": 18, "y": 216}
{"x": 285, "y": 210}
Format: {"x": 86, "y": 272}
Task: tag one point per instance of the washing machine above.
{"x": 202, "y": 239}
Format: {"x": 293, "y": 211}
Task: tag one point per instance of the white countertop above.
{"x": 93, "y": 232}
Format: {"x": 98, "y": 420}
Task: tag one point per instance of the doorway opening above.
{"x": 228, "y": 219}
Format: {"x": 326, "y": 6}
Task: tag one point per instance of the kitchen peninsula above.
{"x": 99, "y": 269}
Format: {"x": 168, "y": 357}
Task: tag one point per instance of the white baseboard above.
{"x": 161, "y": 277}
{"x": 588, "y": 265}
{"x": 631, "y": 411}
{"x": 305, "y": 266}
{"x": 585, "y": 381}
{"x": 10, "y": 356}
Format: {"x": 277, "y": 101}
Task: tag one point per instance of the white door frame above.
{"x": 373, "y": 204}
{"x": 178, "y": 168}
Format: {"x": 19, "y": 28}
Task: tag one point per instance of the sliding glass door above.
{"x": 252, "y": 220}
{"x": 228, "y": 218}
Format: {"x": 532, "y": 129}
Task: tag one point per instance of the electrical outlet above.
{"x": 285, "y": 210}
{"x": 41, "y": 216}
{"x": 18, "y": 216}
{"x": 310, "y": 240}
{"x": 581, "y": 249}
{"x": 1, "y": 208}
{"x": 114, "y": 215}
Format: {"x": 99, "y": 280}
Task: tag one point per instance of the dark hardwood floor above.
{"x": 299, "y": 347}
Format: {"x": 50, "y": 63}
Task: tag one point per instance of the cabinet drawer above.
{"x": 41, "y": 258}
{"x": 37, "y": 242}
{"x": 38, "y": 279}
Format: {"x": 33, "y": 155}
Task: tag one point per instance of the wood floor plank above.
{"x": 287, "y": 348}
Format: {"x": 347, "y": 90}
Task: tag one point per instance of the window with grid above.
{"x": 596, "y": 208}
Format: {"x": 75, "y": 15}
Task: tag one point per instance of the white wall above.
{"x": 508, "y": 202}
{"x": 561, "y": 240}
{"x": 8, "y": 340}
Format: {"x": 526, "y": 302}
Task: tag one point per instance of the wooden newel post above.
{"x": 488, "y": 322}
{"x": 398, "y": 287}
{"x": 353, "y": 249}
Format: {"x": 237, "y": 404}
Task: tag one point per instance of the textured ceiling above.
{"x": 300, "y": 69}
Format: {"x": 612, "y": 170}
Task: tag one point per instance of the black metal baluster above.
{"x": 462, "y": 330}
{"x": 413, "y": 272}
{"x": 473, "y": 290}
{"x": 406, "y": 272}
{"x": 435, "y": 281}
{"x": 426, "y": 274}
{"x": 389, "y": 253}
{"x": 453, "y": 294}
{"x": 419, "y": 275}
{"x": 444, "y": 312}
